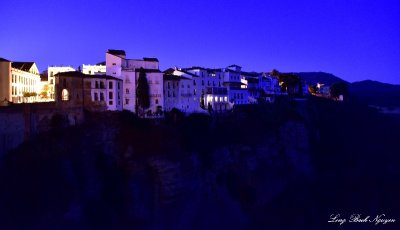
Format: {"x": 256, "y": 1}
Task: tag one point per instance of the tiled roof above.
{"x": 116, "y": 52}
{"x": 108, "y": 77}
{"x": 149, "y": 70}
{"x": 2, "y": 59}
{"x": 231, "y": 70}
{"x": 150, "y": 59}
{"x": 82, "y": 75}
{"x": 188, "y": 73}
{"x": 171, "y": 77}
{"x": 24, "y": 66}
{"x": 195, "y": 67}
{"x": 70, "y": 74}
{"x": 169, "y": 71}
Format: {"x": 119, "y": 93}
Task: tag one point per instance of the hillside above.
{"x": 312, "y": 78}
{"x": 376, "y": 93}
{"x": 366, "y": 92}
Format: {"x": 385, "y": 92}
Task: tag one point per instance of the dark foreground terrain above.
{"x": 290, "y": 165}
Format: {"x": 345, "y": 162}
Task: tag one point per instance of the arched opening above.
{"x": 65, "y": 95}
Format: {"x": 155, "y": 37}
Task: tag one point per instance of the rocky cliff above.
{"x": 262, "y": 167}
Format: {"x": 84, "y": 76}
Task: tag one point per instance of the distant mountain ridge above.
{"x": 312, "y": 78}
{"x": 376, "y": 93}
{"x": 367, "y": 92}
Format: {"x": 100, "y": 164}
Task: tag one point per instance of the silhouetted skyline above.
{"x": 354, "y": 40}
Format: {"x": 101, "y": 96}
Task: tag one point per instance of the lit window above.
{"x": 65, "y": 95}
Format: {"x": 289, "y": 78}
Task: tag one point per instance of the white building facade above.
{"x": 181, "y": 92}
{"x": 98, "y": 69}
{"x": 128, "y": 71}
{"x": 105, "y": 89}
{"x": 19, "y": 81}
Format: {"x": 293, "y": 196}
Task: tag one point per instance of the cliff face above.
{"x": 277, "y": 169}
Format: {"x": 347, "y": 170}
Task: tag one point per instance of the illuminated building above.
{"x": 19, "y": 81}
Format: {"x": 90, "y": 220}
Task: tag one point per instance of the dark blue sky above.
{"x": 354, "y": 40}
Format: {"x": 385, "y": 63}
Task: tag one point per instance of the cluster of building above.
{"x": 112, "y": 85}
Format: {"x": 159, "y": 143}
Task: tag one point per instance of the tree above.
{"x": 275, "y": 73}
{"x": 337, "y": 89}
{"x": 142, "y": 90}
{"x": 43, "y": 94}
{"x": 290, "y": 83}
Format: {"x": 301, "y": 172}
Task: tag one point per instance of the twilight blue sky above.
{"x": 353, "y": 39}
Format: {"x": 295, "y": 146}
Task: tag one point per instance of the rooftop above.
{"x": 108, "y": 77}
{"x": 150, "y": 59}
{"x": 2, "y": 59}
{"x": 116, "y": 52}
{"x": 171, "y": 77}
{"x": 70, "y": 74}
{"x": 82, "y": 75}
{"x": 148, "y": 70}
{"x": 24, "y": 66}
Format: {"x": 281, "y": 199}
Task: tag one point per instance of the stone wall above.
{"x": 19, "y": 122}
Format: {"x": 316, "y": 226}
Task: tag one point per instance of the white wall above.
{"x": 23, "y": 81}
{"x": 113, "y": 65}
{"x": 93, "y": 69}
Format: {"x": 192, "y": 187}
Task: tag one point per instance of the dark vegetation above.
{"x": 143, "y": 97}
{"x": 339, "y": 88}
{"x": 288, "y": 165}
